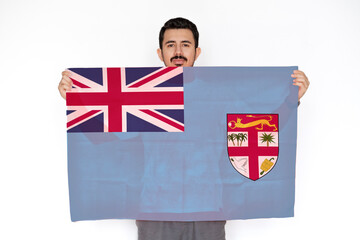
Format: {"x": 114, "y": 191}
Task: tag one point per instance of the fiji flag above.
{"x": 182, "y": 144}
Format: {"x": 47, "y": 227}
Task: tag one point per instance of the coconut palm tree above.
{"x": 231, "y": 137}
{"x": 241, "y": 137}
{"x": 268, "y": 138}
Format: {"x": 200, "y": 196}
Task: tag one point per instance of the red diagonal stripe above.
{"x": 161, "y": 118}
{"x": 152, "y": 77}
{"x": 82, "y": 117}
{"x": 79, "y": 84}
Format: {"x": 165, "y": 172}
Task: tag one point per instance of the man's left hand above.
{"x": 302, "y": 81}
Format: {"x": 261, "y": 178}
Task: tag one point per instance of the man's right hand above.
{"x": 65, "y": 83}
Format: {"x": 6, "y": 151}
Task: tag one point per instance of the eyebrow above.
{"x": 172, "y": 41}
{"x": 186, "y": 41}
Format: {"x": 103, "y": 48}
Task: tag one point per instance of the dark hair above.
{"x": 179, "y": 23}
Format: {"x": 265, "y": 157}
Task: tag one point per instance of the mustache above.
{"x": 178, "y": 57}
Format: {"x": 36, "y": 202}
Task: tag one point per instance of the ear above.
{"x": 159, "y": 52}
{"x": 197, "y": 52}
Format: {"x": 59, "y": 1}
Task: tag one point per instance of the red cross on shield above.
{"x": 253, "y": 143}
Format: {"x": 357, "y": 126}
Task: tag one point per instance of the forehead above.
{"x": 178, "y": 35}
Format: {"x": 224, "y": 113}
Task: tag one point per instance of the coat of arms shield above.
{"x": 253, "y": 143}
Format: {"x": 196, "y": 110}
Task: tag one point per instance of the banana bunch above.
{"x": 266, "y": 165}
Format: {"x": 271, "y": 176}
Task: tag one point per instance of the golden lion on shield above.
{"x": 238, "y": 124}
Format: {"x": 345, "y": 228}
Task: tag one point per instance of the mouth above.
{"x": 178, "y": 60}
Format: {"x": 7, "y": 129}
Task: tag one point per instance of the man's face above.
{"x": 178, "y": 48}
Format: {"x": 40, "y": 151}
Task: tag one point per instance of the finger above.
{"x": 297, "y": 71}
{"x": 67, "y": 80}
{"x": 298, "y": 83}
{"x": 65, "y": 84}
{"x": 64, "y": 88}
{"x": 301, "y": 86}
{"x": 66, "y": 73}
{"x": 301, "y": 81}
{"x": 295, "y": 75}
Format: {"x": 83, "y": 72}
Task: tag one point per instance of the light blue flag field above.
{"x": 182, "y": 144}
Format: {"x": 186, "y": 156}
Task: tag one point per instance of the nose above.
{"x": 178, "y": 50}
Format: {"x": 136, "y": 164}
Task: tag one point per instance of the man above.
{"x": 178, "y": 46}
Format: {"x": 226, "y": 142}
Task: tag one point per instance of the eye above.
{"x": 171, "y": 45}
{"x": 186, "y": 45}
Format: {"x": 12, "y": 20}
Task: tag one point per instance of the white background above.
{"x": 39, "y": 39}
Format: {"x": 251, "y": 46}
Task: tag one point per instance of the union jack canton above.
{"x": 126, "y": 100}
